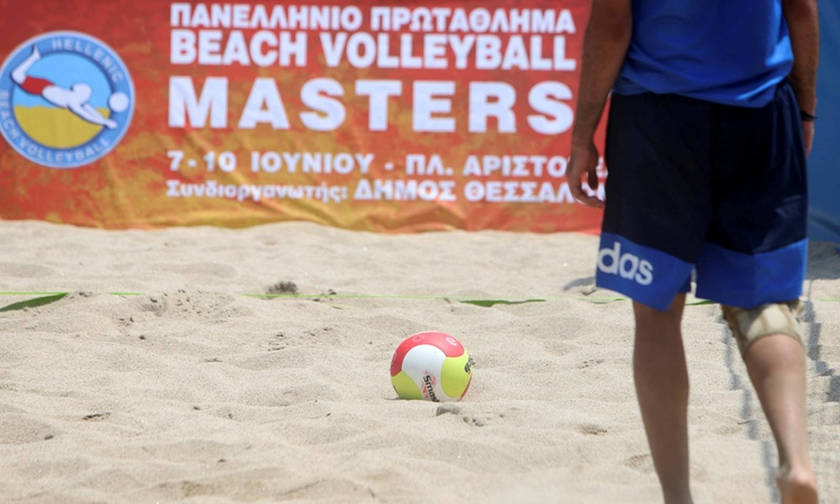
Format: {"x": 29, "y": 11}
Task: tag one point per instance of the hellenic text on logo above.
{"x": 66, "y": 99}
{"x": 611, "y": 261}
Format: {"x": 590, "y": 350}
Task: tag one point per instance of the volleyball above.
{"x": 118, "y": 102}
{"x": 432, "y": 366}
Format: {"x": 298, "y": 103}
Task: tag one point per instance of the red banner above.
{"x": 386, "y": 116}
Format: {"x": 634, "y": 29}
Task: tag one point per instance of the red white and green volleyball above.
{"x": 431, "y": 365}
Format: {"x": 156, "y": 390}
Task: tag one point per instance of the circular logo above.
{"x": 66, "y": 99}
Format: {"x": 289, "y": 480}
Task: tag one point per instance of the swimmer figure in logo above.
{"x": 74, "y": 99}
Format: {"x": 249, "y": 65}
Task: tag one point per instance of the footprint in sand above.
{"x": 642, "y": 463}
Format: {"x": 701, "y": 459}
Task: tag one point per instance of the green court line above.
{"x": 343, "y": 296}
{"x": 601, "y": 299}
{"x": 700, "y": 302}
{"x": 477, "y": 302}
{"x": 31, "y": 293}
{"x": 54, "y": 293}
{"x": 32, "y": 303}
{"x": 487, "y": 303}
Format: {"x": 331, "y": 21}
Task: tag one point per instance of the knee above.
{"x": 748, "y": 326}
{"x": 658, "y": 326}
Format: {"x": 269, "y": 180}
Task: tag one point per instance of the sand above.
{"x": 158, "y": 379}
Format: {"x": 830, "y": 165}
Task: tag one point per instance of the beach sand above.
{"x": 158, "y": 379}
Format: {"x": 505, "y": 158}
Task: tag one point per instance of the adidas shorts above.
{"x": 717, "y": 189}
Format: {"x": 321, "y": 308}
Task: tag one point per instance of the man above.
{"x": 74, "y": 99}
{"x": 711, "y": 119}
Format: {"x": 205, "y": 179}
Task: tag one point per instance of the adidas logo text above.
{"x": 611, "y": 261}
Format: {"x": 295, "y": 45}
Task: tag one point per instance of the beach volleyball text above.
{"x": 418, "y": 40}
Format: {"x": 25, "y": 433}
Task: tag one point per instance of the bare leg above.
{"x": 19, "y": 73}
{"x": 661, "y": 379}
{"x": 776, "y": 365}
{"x": 90, "y": 114}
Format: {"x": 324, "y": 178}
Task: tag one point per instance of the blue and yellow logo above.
{"x": 66, "y": 99}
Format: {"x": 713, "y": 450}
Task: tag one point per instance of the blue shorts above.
{"x": 695, "y": 185}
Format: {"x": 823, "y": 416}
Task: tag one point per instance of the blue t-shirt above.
{"x": 725, "y": 51}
